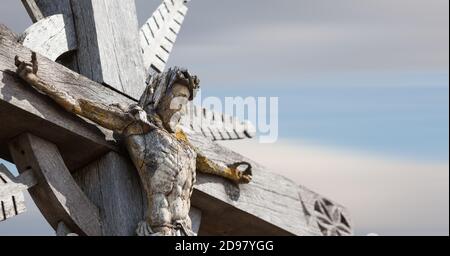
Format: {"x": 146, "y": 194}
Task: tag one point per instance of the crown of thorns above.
{"x": 183, "y": 77}
{"x": 159, "y": 84}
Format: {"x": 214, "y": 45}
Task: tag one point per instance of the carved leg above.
{"x": 144, "y": 229}
{"x": 159, "y": 218}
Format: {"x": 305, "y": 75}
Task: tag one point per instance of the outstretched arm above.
{"x": 232, "y": 172}
{"x": 240, "y": 172}
{"x": 112, "y": 117}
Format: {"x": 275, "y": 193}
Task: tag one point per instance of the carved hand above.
{"x": 25, "y": 68}
{"x": 243, "y": 175}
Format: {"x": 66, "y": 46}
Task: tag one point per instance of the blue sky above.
{"x": 362, "y": 85}
{"x": 407, "y": 122}
{"x": 368, "y": 75}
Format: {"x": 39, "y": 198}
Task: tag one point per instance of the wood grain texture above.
{"x": 7, "y": 34}
{"x": 270, "y": 205}
{"x": 53, "y": 7}
{"x": 57, "y": 195}
{"x": 60, "y": 76}
{"x": 271, "y": 198}
{"x": 108, "y": 43}
{"x": 25, "y": 110}
{"x": 159, "y": 33}
{"x": 13, "y": 185}
{"x": 33, "y": 10}
{"x": 107, "y": 36}
{"x": 49, "y": 8}
{"x": 113, "y": 185}
{"x": 215, "y": 126}
{"x": 51, "y": 36}
{"x": 275, "y": 203}
{"x": 323, "y": 216}
{"x": 12, "y": 201}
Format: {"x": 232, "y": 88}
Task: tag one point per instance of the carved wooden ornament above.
{"x": 101, "y": 151}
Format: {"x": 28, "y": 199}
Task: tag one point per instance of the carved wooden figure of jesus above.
{"x": 165, "y": 160}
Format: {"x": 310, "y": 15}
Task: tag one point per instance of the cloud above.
{"x": 253, "y": 42}
{"x": 14, "y": 15}
{"x": 286, "y": 39}
{"x": 385, "y": 195}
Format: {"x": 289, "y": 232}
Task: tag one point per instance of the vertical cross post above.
{"x": 109, "y": 49}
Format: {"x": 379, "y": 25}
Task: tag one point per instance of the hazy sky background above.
{"x": 364, "y": 98}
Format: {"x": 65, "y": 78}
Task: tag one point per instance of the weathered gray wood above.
{"x": 214, "y": 125}
{"x": 56, "y": 74}
{"x": 52, "y": 7}
{"x": 108, "y": 42}
{"x": 12, "y": 201}
{"x": 14, "y": 185}
{"x": 57, "y": 195}
{"x": 47, "y": 8}
{"x": 51, "y": 36}
{"x": 159, "y": 33}
{"x": 25, "y": 110}
{"x": 270, "y": 205}
{"x": 270, "y": 198}
{"x": 7, "y": 33}
{"x": 107, "y": 35}
{"x": 323, "y": 216}
{"x": 113, "y": 185}
{"x": 12, "y": 206}
{"x": 33, "y": 10}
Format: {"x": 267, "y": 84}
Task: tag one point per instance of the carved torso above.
{"x": 167, "y": 166}
{"x": 165, "y": 160}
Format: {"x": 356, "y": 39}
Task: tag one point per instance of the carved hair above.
{"x": 160, "y": 84}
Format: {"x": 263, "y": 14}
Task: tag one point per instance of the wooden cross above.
{"x": 78, "y": 175}
{"x": 12, "y": 201}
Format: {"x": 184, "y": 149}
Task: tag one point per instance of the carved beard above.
{"x": 167, "y": 94}
{"x": 171, "y": 108}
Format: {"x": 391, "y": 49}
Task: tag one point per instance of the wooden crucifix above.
{"x": 80, "y": 174}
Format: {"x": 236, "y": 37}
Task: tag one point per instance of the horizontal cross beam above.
{"x": 25, "y": 110}
{"x": 106, "y": 31}
{"x": 271, "y": 204}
